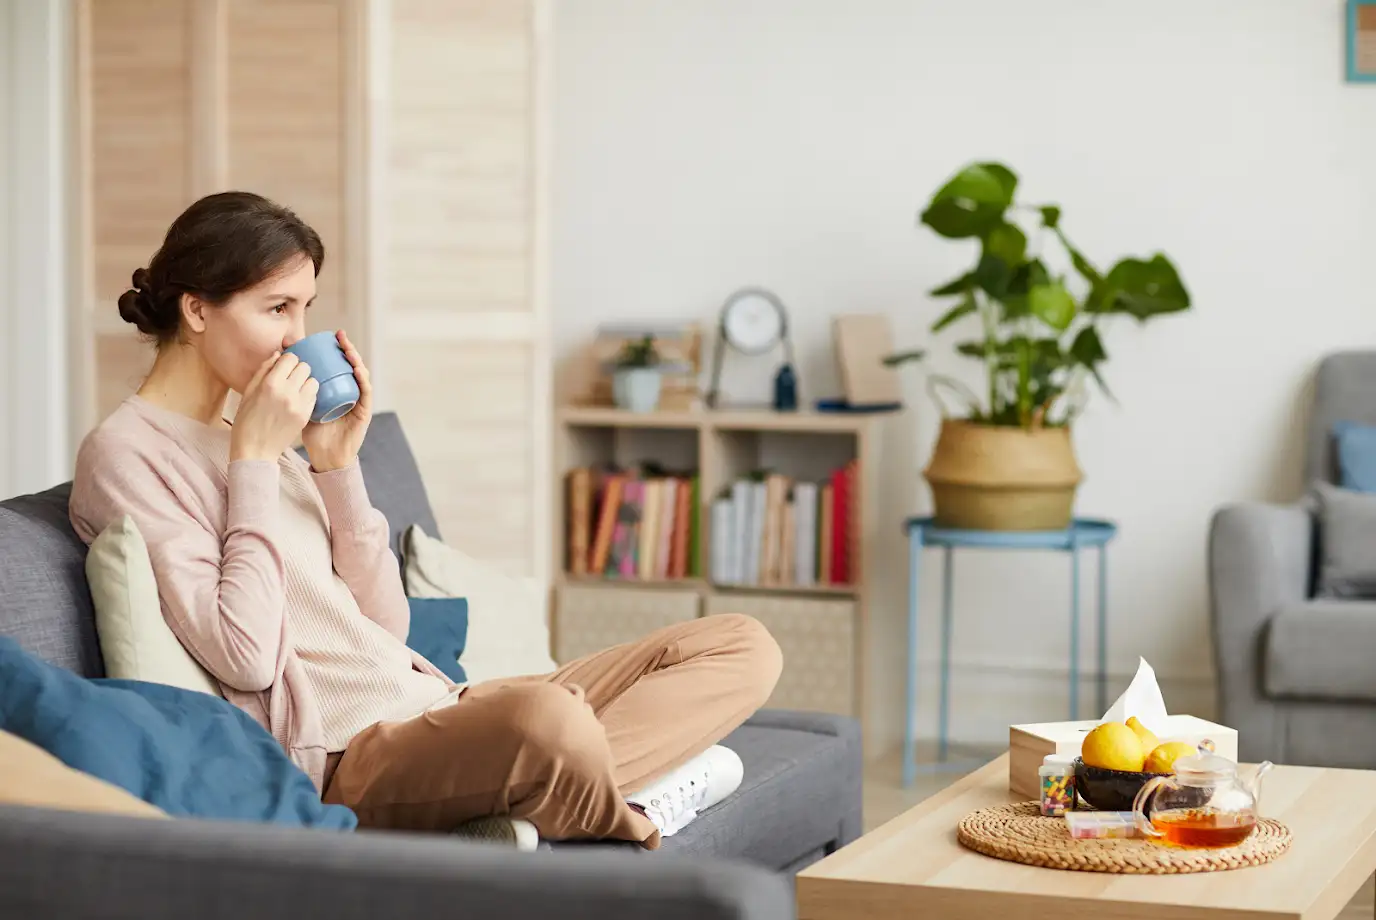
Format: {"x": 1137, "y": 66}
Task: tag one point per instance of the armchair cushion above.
{"x": 1347, "y": 541}
{"x": 1355, "y": 445}
{"x": 1321, "y": 650}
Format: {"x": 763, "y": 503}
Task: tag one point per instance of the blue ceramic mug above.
{"x": 338, "y": 388}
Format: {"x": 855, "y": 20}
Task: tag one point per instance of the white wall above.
{"x": 709, "y": 144}
{"x": 34, "y": 113}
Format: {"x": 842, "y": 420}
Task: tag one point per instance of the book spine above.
{"x": 722, "y": 520}
{"x": 606, "y": 524}
{"x": 695, "y": 529}
{"x": 840, "y": 573}
{"x": 787, "y": 553}
{"x": 668, "y": 506}
{"x": 579, "y": 520}
{"x": 628, "y": 530}
{"x": 827, "y": 504}
{"x": 648, "y": 538}
{"x": 854, "y": 521}
{"x": 769, "y": 538}
{"x": 754, "y": 551}
{"x": 805, "y": 534}
{"x": 740, "y": 531}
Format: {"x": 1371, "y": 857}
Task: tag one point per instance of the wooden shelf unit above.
{"x": 824, "y": 630}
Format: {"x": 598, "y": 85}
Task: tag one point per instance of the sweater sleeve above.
{"x": 359, "y": 543}
{"x": 223, "y": 596}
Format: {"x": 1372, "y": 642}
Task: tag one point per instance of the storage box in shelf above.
{"x": 1029, "y": 744}
{"x": 588, "y": 618}
{"x": 818, "y": 638}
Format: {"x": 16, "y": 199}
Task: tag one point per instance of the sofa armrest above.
{"x": 847, "y": 730}
{"x": 1260, "y": 560}
{"x": 78, "y": 866}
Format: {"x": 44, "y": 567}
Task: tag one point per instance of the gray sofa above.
{"x": 1296, "y": 672}
{"x": 800, "y": 799}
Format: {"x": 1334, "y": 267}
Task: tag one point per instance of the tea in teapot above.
{"x": 1203, "y": 804}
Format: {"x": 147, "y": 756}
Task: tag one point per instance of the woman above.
{"x": 277, "y": 577}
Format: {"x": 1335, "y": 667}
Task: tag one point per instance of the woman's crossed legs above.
{"x": 562, "y": 749}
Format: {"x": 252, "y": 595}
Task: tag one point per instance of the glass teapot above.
{"x": 1203, "y": 804}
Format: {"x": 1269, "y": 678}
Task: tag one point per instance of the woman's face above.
{"x": 237, "y": 337}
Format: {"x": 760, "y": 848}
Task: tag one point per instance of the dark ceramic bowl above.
{"x": 1108, "y": 790}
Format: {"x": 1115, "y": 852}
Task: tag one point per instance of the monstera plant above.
{"x": 1039, "y": 334}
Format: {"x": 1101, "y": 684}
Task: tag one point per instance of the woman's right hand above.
{"x": 276, "y": 406}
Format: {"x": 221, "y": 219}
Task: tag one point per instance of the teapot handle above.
{"x": 1139, "y": 812}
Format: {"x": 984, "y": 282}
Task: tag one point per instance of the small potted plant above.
{"x": 1009, "y": 463}
{"x": 636, "y": 378}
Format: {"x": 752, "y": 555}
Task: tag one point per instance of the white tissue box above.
{"x": 1029, "y": 744}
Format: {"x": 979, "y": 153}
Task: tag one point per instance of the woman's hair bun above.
{"x": 138, "y": 306}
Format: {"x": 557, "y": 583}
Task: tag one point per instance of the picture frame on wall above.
{"x": 1361, "y": 41}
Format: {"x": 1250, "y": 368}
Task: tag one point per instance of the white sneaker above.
{"x": 499, "y": 829}
{"x": 673, "y": 801}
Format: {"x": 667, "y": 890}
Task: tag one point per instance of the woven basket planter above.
{"x": 989, "y": 477}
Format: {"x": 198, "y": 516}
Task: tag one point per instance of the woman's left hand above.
{"x": 334, "y": 445}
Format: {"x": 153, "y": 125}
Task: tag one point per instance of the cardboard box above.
{"x": 1028, "y": 744}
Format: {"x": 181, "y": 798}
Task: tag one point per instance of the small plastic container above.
{"x": 1100, "y": 825}
{"x": 1057, "y": 785}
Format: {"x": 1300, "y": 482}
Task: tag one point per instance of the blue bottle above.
{"x": 786, "y": 389}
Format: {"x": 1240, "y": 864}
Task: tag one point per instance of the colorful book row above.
{"x": 772, "y": 531}
{"x": 624, "y": 525}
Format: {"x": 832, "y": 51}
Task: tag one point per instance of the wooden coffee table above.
{"x": 913, "y": 868}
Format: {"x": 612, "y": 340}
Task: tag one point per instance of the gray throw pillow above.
{"x": 1347, "y": 539}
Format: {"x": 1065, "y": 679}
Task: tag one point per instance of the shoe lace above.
{"x": 676, "y": 804}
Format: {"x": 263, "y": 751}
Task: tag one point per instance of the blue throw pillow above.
{"x": 1355, "y": 445}
{"x": 189, "y": 753}
{"x": 439, "y": 632}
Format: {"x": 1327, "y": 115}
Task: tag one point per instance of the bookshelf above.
{"x": 824, "y": 628}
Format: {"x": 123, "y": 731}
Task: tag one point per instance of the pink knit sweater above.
{"x": 220, "y": 578}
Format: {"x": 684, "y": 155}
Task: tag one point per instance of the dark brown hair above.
{"x": 221, "y": 245}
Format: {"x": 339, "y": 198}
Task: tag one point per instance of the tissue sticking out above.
{"x": 1142, "y": 700}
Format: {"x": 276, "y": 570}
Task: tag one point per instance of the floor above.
{"x": 885, "y": 798}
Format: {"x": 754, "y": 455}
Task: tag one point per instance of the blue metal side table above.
{"x": 1083, "y": 533}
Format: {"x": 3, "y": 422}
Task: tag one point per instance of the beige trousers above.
{"x": 562, "y": 749}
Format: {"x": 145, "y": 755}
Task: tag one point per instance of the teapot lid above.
{"x": 1205, "y": 763}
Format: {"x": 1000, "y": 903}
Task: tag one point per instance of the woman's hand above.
{"x": 334, "y": 445}
{"x": 277, "y": 404}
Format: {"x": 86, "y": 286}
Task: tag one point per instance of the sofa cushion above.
{"x": 507, "y": 632}
{"x": 393, "y": 479}
{"x": 1321, "y": 650}
{"x": 44, "y": 603}
{"x": 439, "y": 632}
{"x": 135, "y": 641}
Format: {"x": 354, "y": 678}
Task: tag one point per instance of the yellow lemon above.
{"x": 1144, "y": 734}
{"x": 1163, "y": 757}
{"x": 1113, "y": 746}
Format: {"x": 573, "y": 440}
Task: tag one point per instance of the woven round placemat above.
{"x": 1019, "y": 833}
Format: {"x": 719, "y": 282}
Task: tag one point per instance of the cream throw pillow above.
{"x": 135, "y": 641}
{"x": 507, "y": 633}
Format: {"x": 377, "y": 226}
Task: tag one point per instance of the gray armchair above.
{"x": 1296, "y": 672}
